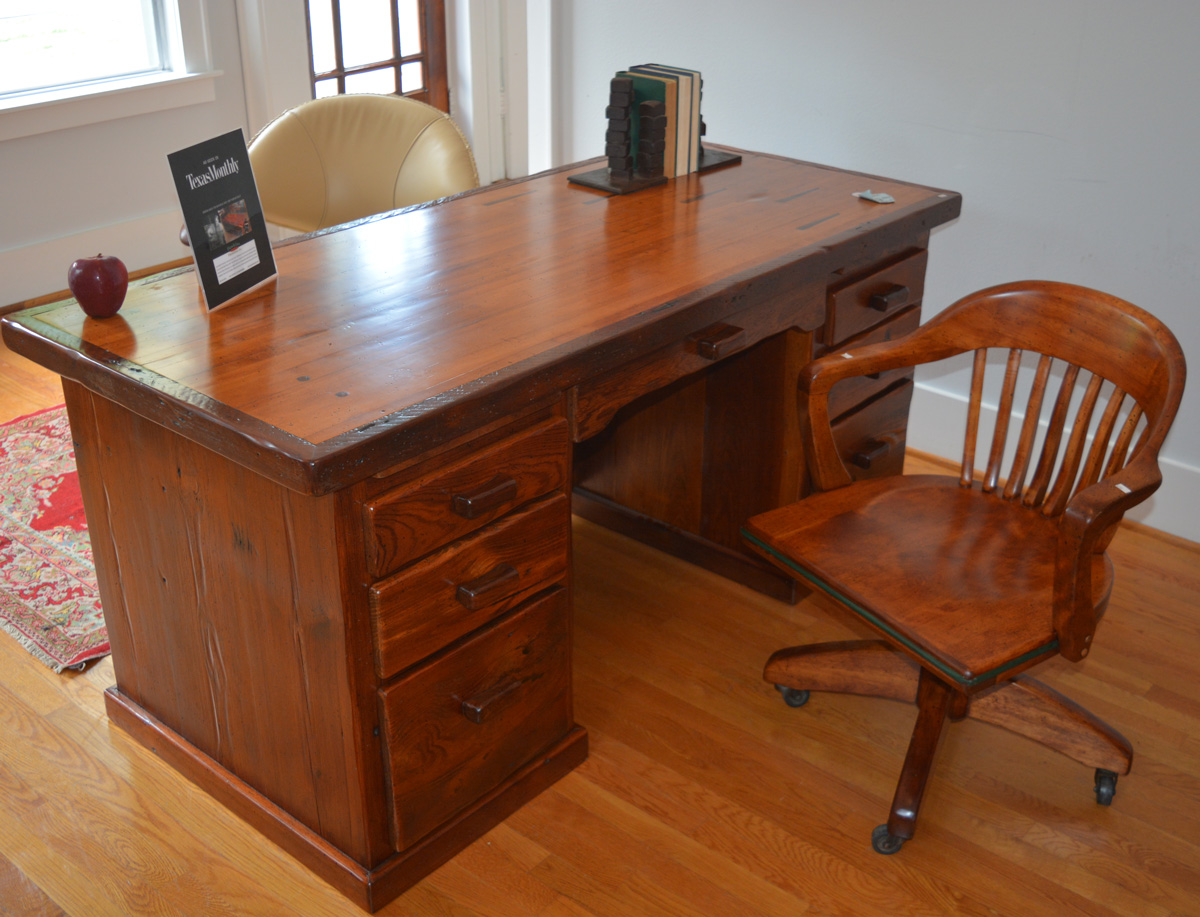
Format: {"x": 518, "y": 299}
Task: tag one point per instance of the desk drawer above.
{"x": 865, "y": 301}
{"x": 450, "y": 593}
{"x": 456, "y": 728}
{"x": 849, "y": 393}
{"x": 412, "y": 520}
{"x": 595, "y": 402}
{"x": 871, "y": 440}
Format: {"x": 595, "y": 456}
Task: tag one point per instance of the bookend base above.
{"x": 602, "y": 180}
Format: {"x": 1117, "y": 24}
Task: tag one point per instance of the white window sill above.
{"x": 56, "y": 110}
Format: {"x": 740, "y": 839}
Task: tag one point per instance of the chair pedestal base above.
{"x": 933, "y": 703}
{"x": 1022, "y": 705}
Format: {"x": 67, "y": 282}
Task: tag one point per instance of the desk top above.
{"x": 400, "y": 326}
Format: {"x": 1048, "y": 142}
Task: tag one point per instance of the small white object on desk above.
{"x": 877, "y": 197}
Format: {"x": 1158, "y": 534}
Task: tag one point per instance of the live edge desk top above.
{"x": 331, "y": 523}
{"x": 388, "y": 335}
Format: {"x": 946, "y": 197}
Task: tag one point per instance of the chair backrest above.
{"x": 1116, "y": 352}
{"x": 344, "y": 157}
{"x": 1110, "y": 350}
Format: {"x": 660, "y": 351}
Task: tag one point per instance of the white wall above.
{"x": 1069, "y": 126}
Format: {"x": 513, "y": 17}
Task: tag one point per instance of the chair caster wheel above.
{"x": 793, "y": 697}
{"x": 885, "y": 843}
{"x": 1106, "y": 786}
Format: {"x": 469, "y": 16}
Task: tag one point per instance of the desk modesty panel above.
{"x": 331, "y": 523}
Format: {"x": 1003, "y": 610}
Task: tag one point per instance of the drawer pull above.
{"x": 869, "y": 452}
{"x": 495, "y": 493}
{"x": 485, "y": 704}
{"x": 893, "y": 296}
{"x": 488, "y": 588}
{"x": 719, "y": 342}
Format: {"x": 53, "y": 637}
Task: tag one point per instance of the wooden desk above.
{"x": 331, "y": 524}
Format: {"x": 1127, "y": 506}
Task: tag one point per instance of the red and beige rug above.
{"x": 48, "y": 596}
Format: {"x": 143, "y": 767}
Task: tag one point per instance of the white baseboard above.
{"x": 937, "y": 421}
{"x": 41, "y": 267}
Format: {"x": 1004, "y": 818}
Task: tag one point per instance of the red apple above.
{"x": 98, "y": 284}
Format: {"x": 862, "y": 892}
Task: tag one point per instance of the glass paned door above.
{"x": 383, "y": 46}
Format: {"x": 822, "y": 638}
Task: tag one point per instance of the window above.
{"x": 67, "y": 63}
{"x": 46, "y": 44}
{"x": 384, "y": 46}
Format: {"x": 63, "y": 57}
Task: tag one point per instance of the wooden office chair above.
{"x": 344, "y": 157}
{"x": 971, "y": 581}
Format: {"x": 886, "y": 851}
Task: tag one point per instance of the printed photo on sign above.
{"x": 227, "y": 224}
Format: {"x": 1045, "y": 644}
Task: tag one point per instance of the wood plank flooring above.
{"x": 704, "y": 793}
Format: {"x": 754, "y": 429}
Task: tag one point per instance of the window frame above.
{"x": 432, "y": 56}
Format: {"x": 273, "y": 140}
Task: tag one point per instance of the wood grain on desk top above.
{"x": 400, "y": 314}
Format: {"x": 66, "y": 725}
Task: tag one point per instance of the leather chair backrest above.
{"x": 344, "y": 157}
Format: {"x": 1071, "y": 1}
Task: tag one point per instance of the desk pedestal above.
{"x": 268, "y": 647}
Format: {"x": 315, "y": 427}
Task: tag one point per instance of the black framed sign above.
{"x": 223, "y": 216}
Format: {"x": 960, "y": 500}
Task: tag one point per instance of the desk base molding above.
{"x": 370, "y": 889}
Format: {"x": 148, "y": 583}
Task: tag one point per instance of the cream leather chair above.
{"x": 344, "y": 157}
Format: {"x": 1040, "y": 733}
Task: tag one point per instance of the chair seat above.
{"x": 919, "y": 555}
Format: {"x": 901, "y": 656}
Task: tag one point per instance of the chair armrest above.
{"x": 1082, "y": 533}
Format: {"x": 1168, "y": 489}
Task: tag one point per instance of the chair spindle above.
{"x": 1033, "y": 414}
{"x": 1100, "y": 441}
{"x": 1120, "y": 450}
{"x": 1060, "y": 493}
{"x": 967, "y": 475}
{"x": 991, "y": 477}
{"x": 1036, "y": 492}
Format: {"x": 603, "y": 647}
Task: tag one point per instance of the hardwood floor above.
{"x": 704, "y": 793}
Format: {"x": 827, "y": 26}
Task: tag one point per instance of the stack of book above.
{"x": 678, "y": 91}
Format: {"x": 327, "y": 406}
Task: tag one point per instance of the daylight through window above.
{"x": 51, "y": 43}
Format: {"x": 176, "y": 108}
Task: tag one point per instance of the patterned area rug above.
{"x": 48, "y": 595}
